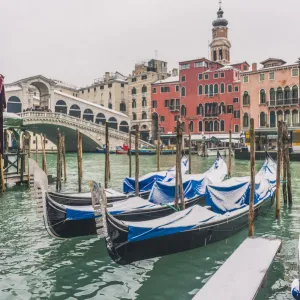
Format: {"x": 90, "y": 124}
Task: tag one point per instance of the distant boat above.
{"x": 214, "y": 152}
{"x": 144, "y": 151}
{"x": 122, "y": 150}
{"x": 103, "y": 151}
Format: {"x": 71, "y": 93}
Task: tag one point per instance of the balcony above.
{"x": 174, "y": 107}
{"x": 211, "y": 115}
{"x": 283, "y": 102}
{"x": 144, "y": 108}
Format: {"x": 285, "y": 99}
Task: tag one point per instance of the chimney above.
{"x": 175, "y": 72}
{"x": 107, "y": 76}
{"x": 254, "y": 67}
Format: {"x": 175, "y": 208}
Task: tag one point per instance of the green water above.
{"x": 35, "y": 266}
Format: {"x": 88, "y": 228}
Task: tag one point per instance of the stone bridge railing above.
{"x": 93, "y": 130}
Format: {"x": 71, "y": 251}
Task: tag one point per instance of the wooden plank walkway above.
{"x": 15, "y": 179}
{"x": 243, "y": 273}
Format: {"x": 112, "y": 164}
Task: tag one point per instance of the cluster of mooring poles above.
{"x": 283, "y": 171}
{"x": 61, "y": 160}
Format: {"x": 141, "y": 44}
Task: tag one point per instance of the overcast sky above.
{"x": 77, "y": 41}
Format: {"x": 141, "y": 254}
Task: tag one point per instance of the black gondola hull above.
{"x": 59, "y": 226}
{"x": 123, "y": 252}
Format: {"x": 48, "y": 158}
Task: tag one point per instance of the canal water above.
{"x": 34, "y": 265}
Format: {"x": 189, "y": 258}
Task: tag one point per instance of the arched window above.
{"x": 222, "y": 88}
{"x": 144, "y": 116}
{"x": 183, "y": 110}
{"x": 201, "y": 109}
{"x": 222, "y": 108}
{"x": 144, "y": 89}
{"x": 88, "y": 115}
{"x": 262, "y": 96}
{"x": 133, "y": 91}
{"x": 206, "y": 89}
{"x": 144, "y": 102}
{"x": 211, "y": 90}
{"x": 222, "y": 125}
{"x": 287, "y": 93}
{"x": 100, "y": 119}
{"x": 113, "y": 123}
{"x": 279, "y": 95}
{"x": 287, "y": 117}
{"x": 295, "y": 117}
{"x": 133, "y": 103}
{"x": 262, "y": 119}
{"x": 216, "y": 126}
{"x": 206, "y": 127}
{"x": 246, "y": 120}
{"x": 295, "y": 94}
{"x": 211, "y": 126}
{"x": 272, "y": 119}
{"x": 122, "y": 107}
{"x": 75, "y": 111}
{"x": 200, "y": 126}
{"x": 61, "y": 107}
{"x": 133, "y": 116}
{"x": 110, "y": 105}
{"x": 14, "y": 105}
{"x": 109, "y": 96}
{"x": 246, "y": 98}
{"x": 191, "y": 126}
{"x": 200, "y": 89}
{"x": 216, "y": 89}
{"x": 183, "y": 92}
{"x": 279, "y": 116}
{"x": 124, "y": 126}
{"x": 272, "y": 95}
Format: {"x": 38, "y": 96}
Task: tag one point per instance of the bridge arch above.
{"x": 75, "y": 111}
{"x": 124, "y": 126}
{"x": 113, "y": 123}
{"x": 14, "y": 105}
{"x": 61, "y": 107}
{"x": 100, "y": 119}
{"x": 88, "y": 115}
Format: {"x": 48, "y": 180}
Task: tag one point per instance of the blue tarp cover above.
{"x": 193, "y": 185}
{"x": 146, "y": 182}
{"x": 234, "y": 193}
{"x": 177, "y": 222}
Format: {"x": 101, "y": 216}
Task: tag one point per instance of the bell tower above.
{"x": 220, "y": 45}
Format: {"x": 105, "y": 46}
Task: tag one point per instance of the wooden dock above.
{"x": 15, "y": 179}
{"x": 244, "y": 272}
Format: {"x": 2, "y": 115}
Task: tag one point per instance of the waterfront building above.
{"x": 165, "y": 106}
{"x": 139, "y": 94}
{"x": 270, "y": 94}
{"x": 110, "y": 91}
{"x": 210, "y": 89}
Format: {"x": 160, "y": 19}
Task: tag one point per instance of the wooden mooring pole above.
{"x": 2, "y": 182}
{"x": 137, "y": 166}
{"x": 129, "y": 153}
{"x": 79, "y": 159}
{"x": 176, "y": 170}
{"x": 63, "y": 144}
{"x": 285, "y": 147}
{"x": 58, "y": 165}
{"x": 36, "y": 149}
{"x": 229, "y": 154}
{"x": 28, "y": 156}
{"x": 279, "y": 150}
{"x": 252, "y": 179}
{"x": 158, "y": 150}
{"x": 181, "y": 191}
{"x": 288, "y": 166}
{"x": 190, "y": 152}
{"x": 44, "y": 161}
{"x": 106, "y": 175}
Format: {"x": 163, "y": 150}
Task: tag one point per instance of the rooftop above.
{"x": 168, "y": 80}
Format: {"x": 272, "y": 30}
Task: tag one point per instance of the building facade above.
{"x": 210, "y": 89}
{"x": 270, "y": 94}
{"x": 110, "y": 91}
{"x": 139, "y": 94}
{"x": 165, "y": 105}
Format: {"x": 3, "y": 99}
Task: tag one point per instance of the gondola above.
{"x": 225, "y": 215}
{"x": 145, "y": 185}
{"x": 64, "y": 221}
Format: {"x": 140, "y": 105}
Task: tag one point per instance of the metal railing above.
{"x": 282, "y": 102}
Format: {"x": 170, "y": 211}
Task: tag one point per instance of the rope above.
{"x": 171, "y": 206}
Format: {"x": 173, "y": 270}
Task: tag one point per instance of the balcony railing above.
{"x": 283, "y": 102}
{"x": 211, "y": 114}
{"x": 174, "y": 107}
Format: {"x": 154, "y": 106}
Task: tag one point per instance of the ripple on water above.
{"x": 36, "y": 266}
